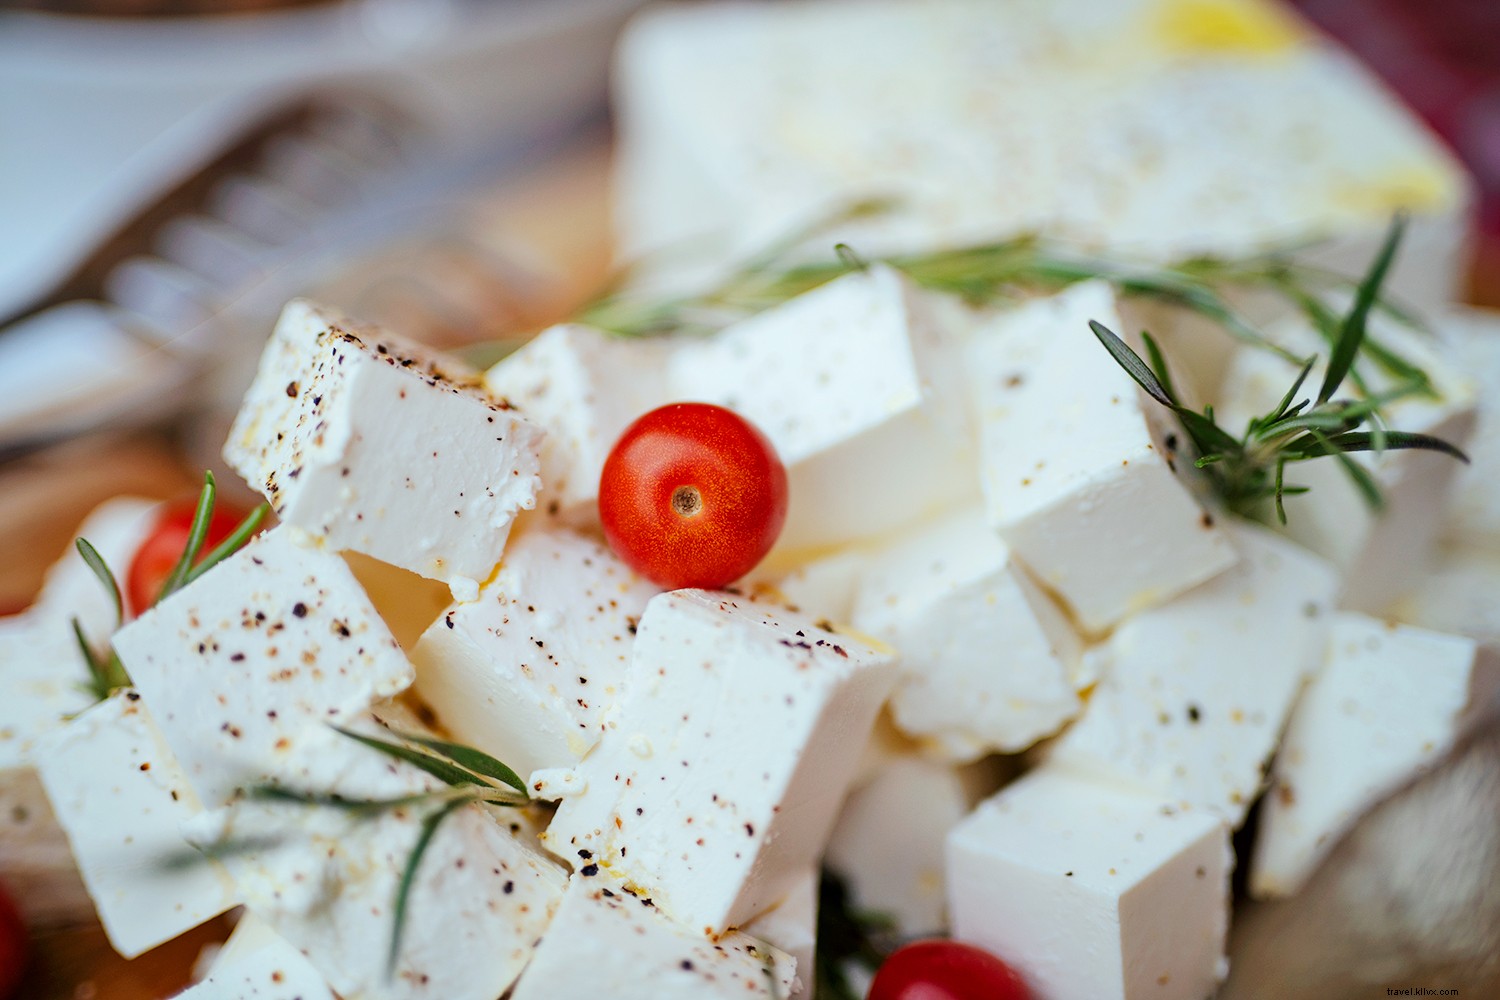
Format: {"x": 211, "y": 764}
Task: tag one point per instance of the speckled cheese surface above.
{"x": 528, "y": 671}
{"x": 792, "y": 927}
{"x": 374, "y": 444}
{"x": 258, "y": 964}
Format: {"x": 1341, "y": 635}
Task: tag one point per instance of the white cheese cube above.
{"x": 609, "y": 941}
{"x": 986, "y": 659}
{"x": 1078, "y": 464}
{"x": 1475, "y": 516}
{"x": 1382, "y": 554}
{"x": 1166, "y": 129}
{"x": 584, "y": 387}
{"x": 326, "y": 879}
{"x": 375, "y": 444}
{"x": 239, "y": 665}
{"x": 791, "y": 926}
{"x": 121, "y": 798}
{"x": 1388, "y": 704}
{"x": 888, "y": 843}
{"x": 851, "y": 382}
{"x": 1093, "y": 891}
{"x": 718, "y": 782}
{"x": 1457, "y": 595}
{"x": 256, "y": 963}
{"x": 527, "y": 672}
{"x": 1193, "y": 694}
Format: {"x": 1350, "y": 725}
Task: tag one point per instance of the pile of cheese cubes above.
{"x": 995, "y": 545}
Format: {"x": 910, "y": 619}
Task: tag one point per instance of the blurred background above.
{"x": 172, "y": 171}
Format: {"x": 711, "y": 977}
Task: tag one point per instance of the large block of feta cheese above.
{"x": 256, "y": 963}
{"x": 584, "y": 387}
{"x": 239, "y": 665}
{"x": 371, "y": 443}
{"x": 860, "y": 392}
{"x": 528, "y": 671}
{"x": 717, "y": 784}
{"x": 1193, "y": 695}
{"x": 1162, "y": 128}
{"x": 791, "y": 926}
{"x": 1078, "y": 465}
{"x": 326, "y": 879}
{"x": 986, "y": 659}
{"x": 121, "y": 797}
{"x": 1475, "y": 515}
{"x": 1092, "y": 890}
{"x": 1382, "y": 554}
{"x": 888, "y": 843}
{"x": 609, "y": 940}
{"x": 1388, "y": 703}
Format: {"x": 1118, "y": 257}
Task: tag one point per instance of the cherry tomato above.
{"x": 692, "y": 495}
{"x": 946, "y": 970}
{"x": 157, "y": 556}
{"x": 13, "y": 947}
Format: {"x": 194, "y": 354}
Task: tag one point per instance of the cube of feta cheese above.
{"x": 791, "y": 926}
{"x": 1078, "y": 464}
{"x": 1168, "y": 129}
{"x": 608, "y": 940}
{"x": 584, "y": 387}
{"x": 326, "y": 878}
{"x": 375, "y": 444}
{"x": 527, "y": 672}
{"x": 986, "y": 659}
{"x": 859, "y": 392}
{"x": 1193, "y": 694}
{"x": 888, "y": 843}
{"x": 256, "y": 963}
{"x": 121, "y": 797}
{"x": 1381, "y": 554}
{"x": 1388, "y": 703}
{"x": 1457, "y": 595}
{"x": 239, "y": 665}
{"x": 1090, "y": 890}
{"x": 1475, "y": 516}
{"x": 718, "y": 782}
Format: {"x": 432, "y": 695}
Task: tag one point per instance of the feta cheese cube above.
{"x": 371, "y": 443}
{"x": 528, "y": 671}
{"x": 1078, "y": 464}
{"x": 888, "y": 843}
{"x": 608, "y": 940}
{"x": 121, "y": 798}
{"x": 1193, "y": 694}
{"x": 1382, "y": 554}
{"x": 326, "y": 879}
{"x": 986, "y": 659}
{"x": 239, "y": 665}
{"x": 1168, "y": 129}
{"x": 1475, "y": 516}
{"x": 791, "y": 926}
{"x": 256, "y": 963}
{"x": 1388, "y": 704}
{"x": 584, "y": 387}
{"x": 1457, "y": 595}
{"x": 44, "y": 676}
{"x": 718, "y": 782}
{"x": 851, "y": 382}
{"x": 1093, "y": 891}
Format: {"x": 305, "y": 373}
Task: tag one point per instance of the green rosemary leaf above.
{"x": 1280, "y": 490}
{"x": 474, "y": 760}
{"x": 1358, "y": 474}
{"x": 199, "y": 530}
{"x": 231, "y": 544}
{"x": 1353, "y": 331}
{"x": 98, "y": 677}
{"x": 1355, "y": 441}
{"x": 849, "y": 258}
{"x": 333, "y": 800}
{"x": 403, "y": 891}
{"x": 95, "y": 562}
{"x": 437, "y": 767}
{"x": 1159, "y": 363}
{"x": 1208, "y": 437}
{"x": 1133, "y": 365}
{"x": 1283, "y": 408}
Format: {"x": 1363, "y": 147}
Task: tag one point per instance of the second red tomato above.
{"x": 692, "y": 495}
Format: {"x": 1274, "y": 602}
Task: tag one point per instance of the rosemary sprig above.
{"x": 471, "y": 776}
{"x": 106, "y": 672}
{"x": 1248, "y": 470}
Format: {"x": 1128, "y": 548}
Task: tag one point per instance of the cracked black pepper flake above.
{"x": 589, "y": 870}
{"x": 299, "y": 610}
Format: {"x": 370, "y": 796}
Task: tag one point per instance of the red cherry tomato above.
{"x": 692, "y": 495}
{"x": 157, "y": 556}
{"x": 13, "y": 948}
{"x": 946, "y": 970}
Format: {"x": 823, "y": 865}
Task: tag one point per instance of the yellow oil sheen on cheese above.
{"x": 1220, "y": 27}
